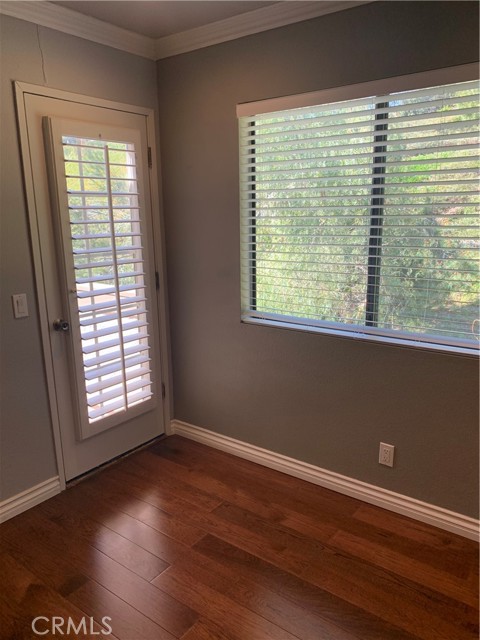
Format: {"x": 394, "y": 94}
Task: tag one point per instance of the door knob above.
{"x": 61, "y": 325}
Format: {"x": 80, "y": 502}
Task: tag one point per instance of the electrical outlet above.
{"x": 385, "y": 455}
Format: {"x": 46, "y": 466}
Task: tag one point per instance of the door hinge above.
{"x": 157, "y": 281}
{"x": 149, "y": 154}
{"x": 163, "y": 390}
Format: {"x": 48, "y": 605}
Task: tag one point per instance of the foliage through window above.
{"x": 361, "y": 216}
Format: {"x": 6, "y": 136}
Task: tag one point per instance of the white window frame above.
{"x": 437, "y": 77}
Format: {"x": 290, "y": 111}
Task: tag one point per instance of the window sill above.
{"x": 408, "y": 343}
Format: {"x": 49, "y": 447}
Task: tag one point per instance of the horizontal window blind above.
{"x": 106, "y": 254}
{"x": 363, "y": 215}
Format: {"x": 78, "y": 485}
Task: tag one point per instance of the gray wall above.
{"x": 303, "y": 395}
{"x": 26, "y": 444}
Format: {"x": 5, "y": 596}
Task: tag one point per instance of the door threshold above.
{"x": 109, "y": 463}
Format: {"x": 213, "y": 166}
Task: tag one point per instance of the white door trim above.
{"x": 21, "y": 89}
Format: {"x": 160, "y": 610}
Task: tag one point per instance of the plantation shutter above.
{"x": 361, "y": 215}
{"x": 100, "y": 225}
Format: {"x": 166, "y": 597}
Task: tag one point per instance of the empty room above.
{"x": 239, "y": 249}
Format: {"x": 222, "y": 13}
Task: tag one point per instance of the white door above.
{"x": 91, "y": 181}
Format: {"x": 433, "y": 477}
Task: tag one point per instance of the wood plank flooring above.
{"x": 180, "y": 541}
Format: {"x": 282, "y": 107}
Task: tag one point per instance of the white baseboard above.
{"x": 429, "y": 513}
{"x": 29, "y": 498}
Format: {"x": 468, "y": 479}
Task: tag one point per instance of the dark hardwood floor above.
{"x": 182, "y": 541}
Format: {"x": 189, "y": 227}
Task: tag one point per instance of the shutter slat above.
{"x": 103, "y": 221}
{"x": 95, "y": 293}
{"x": 128, "y": 274}
{"x": 111, "y": 303}
{"x": 92, "y": 265}
{"x": 74, "y": 192}
{"x": 115, "y": 355}
{"x": 110, "y": 395}
{"x": 86, "y": 252}
{"x": 97, "y": 147}
{"x": 133, "y": 398}
{"x": 99, "y": 207}
{"x": 117, "y": 380}
{"x": 107, "y": 317}
{"x": 113, "y": 329}
{"x": 106, "y": 369}
{"x": 91, "y": 236}
{"x": 108, "y": 344}
{"x": 97, "y": 162}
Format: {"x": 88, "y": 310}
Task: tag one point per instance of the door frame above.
{"x": 21, "y": 89}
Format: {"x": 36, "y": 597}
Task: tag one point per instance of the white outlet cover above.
{"x": 386, "y": 453}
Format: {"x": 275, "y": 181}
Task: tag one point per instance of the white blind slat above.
{"x": 254, "y": 172}
{"x": 353, "y": 107}
{"x": 261, "y": 137}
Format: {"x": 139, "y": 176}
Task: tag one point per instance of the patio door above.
{"x": 92, "y": 189}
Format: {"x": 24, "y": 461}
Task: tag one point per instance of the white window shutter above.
{"x": 99, "y": 196}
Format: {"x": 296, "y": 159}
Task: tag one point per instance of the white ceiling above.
{"x": 157, "y": 19}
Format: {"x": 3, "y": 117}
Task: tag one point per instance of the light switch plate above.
{"x": 20, "y": 307}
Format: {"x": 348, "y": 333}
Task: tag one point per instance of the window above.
{"x": 101, "y": 204}
{"x": 358, "y": 211}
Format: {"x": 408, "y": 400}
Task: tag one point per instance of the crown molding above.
{"x": 279, "y": 14}
{"x": 68, "y": 21}
{"x": 59, "y": 18}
